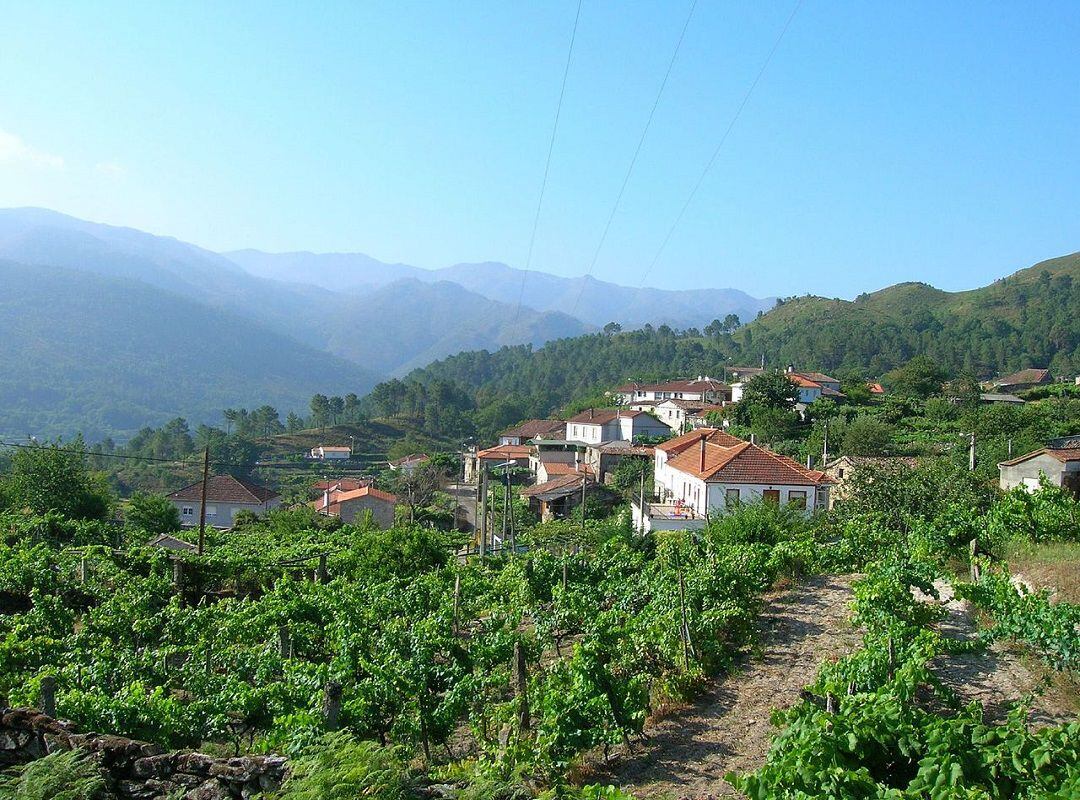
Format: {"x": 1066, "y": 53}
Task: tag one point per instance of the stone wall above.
{"x": 138, "y": 770}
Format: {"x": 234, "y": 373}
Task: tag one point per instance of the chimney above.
{"x": 808, "y": 458}
{"x": 326, "y": 499}
{"x": 790, "y": 368}
{"x": 591, "y": 413}
{"x": 752, "y": 439}
{"x": 702, "y": 453}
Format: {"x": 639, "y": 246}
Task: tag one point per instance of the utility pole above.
{"x": 971, "y": 453}
{"x": 584, "y": 480}
{"x": 641, "y": 499}
{"x": 202, "y": 499}
{"x": 483, "y": 510}
{"x": 825, "y": 446}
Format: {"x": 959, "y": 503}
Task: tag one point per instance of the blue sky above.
{"x": 885, "y": 141}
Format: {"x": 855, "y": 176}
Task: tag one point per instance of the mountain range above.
{"x": 106, "y": 329}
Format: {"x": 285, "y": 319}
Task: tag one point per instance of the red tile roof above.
{"x": 226, "y": 489}
{"x": 875, "y": 388}
{"x": 531, "y": 428}
{"x": 602, "y": 416}
{"x": 1024, "y": 376}
{"x": 337, "y": 498}
{"x": 1064, "y": 455}
{"x": 506, "y": 452}
{"x": 680, "y": 385}
{"x": 818, "y": 377}
{"x": 718, "y": 457}
{"x": 412, "y": 458}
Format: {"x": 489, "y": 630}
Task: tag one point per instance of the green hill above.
{"x": 107, "y": 355}
{"x": 1026, "y": 319}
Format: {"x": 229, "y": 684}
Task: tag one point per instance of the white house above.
{"x": 612, "y": 425}
{"x": 225, "y": 496}
{"x": 811, "y": 386}
{"x": 1060, "y": 466}
{"x": 409, "y": 463}
{"x": 681, "y": 415}
{"x": 703, "y": 389}
{"x": 329, "y": 452}
{"x": 707, "y": 471}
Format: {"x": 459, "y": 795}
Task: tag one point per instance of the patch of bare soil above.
{"x": 688, "y": 752}
{"x": 999, "y": 675}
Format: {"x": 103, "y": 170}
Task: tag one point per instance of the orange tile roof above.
{"x": 602, "y": 416}
{"x": 337, "y": 498}
{"x": 505, "y": 452}
{"x": 1064, "y": 455}
{"x": 728, "y": 459}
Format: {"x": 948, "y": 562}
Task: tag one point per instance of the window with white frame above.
{"x": 731, "y": 496}
{"x": 187, "y": 511}
{"x": 797, "y": 498}
{"x": 211, "y": 511}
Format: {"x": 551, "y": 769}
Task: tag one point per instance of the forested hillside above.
{"x": 107, "y": 356}
{"x": 1027, "y": 319}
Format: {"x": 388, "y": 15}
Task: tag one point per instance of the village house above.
{"x": 533, "y": 429}
{"x": 351, "y": 504}
{"x": 841, "y": 470}
{"x": 225, "y": 497}
{"x": 329, "y": 452}
{"x": 494, "y": 456}
{"x": 408, "y": 464}
{"x": 810, "y": 385}
{"x": 1019, "y": 381}
{"x": 682, "y": 415}
{"x": 1058, "y": 465}
{"x": 558, "y": 497}
{"x": 611, "y": 425}
{"x": 703, "y": 389}
{"x": 707, "y": 471}
{"x": 602, "y": 459}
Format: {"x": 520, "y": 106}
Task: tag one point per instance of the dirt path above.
{"x": 996, "y": 676}
{"x": 688, "y": 752}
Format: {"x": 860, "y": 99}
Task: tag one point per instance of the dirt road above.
{"x": 689, "y": 752}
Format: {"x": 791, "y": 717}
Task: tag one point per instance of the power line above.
{"x": 723, "y": 139}
{"x": 633, "y": 159}
{"x": 370, "y": 458}
{"x": 547, "y": 162}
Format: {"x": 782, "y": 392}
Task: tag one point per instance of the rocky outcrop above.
{"x": 139, "y": 770}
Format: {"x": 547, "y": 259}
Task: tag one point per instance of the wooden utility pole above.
{"x": 521, "y": 686}
{"x": 641, "y": 499}
{"x": 584, "y": 480}
{"x": 483, "y": 511}
{"x": 202, "y": 499}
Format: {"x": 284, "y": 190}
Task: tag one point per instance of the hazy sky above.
{"x": 884, "y": 142}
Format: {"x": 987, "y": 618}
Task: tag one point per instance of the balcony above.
{"x": 666, "y": 517}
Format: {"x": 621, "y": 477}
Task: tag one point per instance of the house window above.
{"x": 187, "y": 511}
{"x": 797, "y": 499}
{"x": 771, "y": 495}
{"x": 731, "y": 496}
{"x": 211, "y": 511}
{"x": 840, "y": 472}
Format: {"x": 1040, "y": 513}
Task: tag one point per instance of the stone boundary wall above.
{"x": 138, "y": 770}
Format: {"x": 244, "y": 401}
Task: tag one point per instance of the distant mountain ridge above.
{"x": 593, "y": 301}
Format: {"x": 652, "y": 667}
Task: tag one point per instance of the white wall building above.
{"x": 613, "y": 425}
{"x": 707, "y": 471}
{"x": 703, "y": 389}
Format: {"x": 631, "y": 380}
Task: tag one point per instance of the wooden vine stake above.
{"x": 284, "y": 642}
{"x": 332, "y": 704}
{"x": 976, "y": 573}
{"x": 48, "y": 696}
{"x": 457, "y": 599}
{"x": 322, "y": 574}
{"x": 521, "y": 686}
{"x": 684, "y": 628}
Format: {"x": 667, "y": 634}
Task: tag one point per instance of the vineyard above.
{"x": 380, "y": 662}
